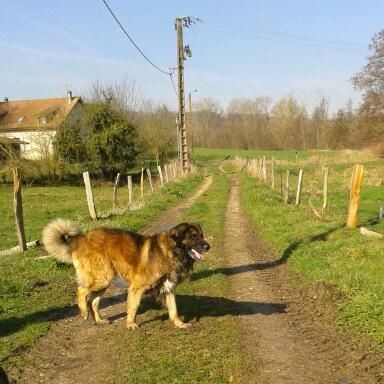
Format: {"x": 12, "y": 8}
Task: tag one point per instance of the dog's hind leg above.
{"x": 95, "y": 301}
{"x": 134, "y": 298}
{"x": 170, "y": 301}
{"x": 82, "y": 301}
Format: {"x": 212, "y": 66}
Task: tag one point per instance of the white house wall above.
{"x": 39, "y": 143}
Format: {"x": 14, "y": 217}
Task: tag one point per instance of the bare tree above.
{"x": 288, "y": 123}
{"x": 157, "y": 131}
{"x": 320, "y": 123}
{"x": 207, "y": 117}
{"x": 370, "y": 80}
{"x": 124, "y": 96}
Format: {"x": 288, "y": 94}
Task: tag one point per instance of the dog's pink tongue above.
{"x": 198, "y": 255}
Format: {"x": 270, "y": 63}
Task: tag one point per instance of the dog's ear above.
{"x": 177, "y": 233}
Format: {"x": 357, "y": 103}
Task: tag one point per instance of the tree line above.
{"x": 286, "y": 124}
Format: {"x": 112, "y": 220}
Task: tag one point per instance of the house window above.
{"x": 20, "y": 119}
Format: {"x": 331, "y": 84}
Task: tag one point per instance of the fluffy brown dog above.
{"x": 154, "y": 263}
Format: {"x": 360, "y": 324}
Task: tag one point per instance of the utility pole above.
{"x": 180, "y": 77}
{"x": 182, "y": 52}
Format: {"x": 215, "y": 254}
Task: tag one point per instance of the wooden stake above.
{"x": 142, "y": 184}
{"x": 114, "y": 196}
{"x": 325, "y": 192}
{"x": 354, "y": 196}
{"x": 264, "y": 169}
{"x": 286, "y": 196}
{"x": 18, "y": 209}
{"x": 299, "y": 183}
{"x": 88, "y": 191}
{"x": 129, "y": 178}
{"x": 273, "y": 173}
{"x": 160, "y": 175}
{"x": 281, "y": 185}
{"x": 166, "y": 173}
{"x": 150, "y": 179}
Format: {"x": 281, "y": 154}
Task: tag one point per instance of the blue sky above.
{"x": 243, "y": 48}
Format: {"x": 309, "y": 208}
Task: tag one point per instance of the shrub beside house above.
{"x": 27, "y": 127}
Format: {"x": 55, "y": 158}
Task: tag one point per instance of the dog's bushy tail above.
{"x": 57, "y": 236}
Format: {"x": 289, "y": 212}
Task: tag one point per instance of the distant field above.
{"x": 202, "y": 154}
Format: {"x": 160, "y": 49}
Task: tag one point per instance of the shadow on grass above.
{"x": 197, "y": 307}
{"x": 192, "y": 307}
{"x": 14, "y": 324}
{"x": 228, "y": 271}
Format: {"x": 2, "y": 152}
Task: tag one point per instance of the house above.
{"x": 32, "y": 124}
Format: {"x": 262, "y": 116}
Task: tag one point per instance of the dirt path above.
{"x": 290, "y": 339}
{"x": 287, "y": 338}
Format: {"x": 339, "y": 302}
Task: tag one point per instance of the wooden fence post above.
{"x": 299, "y": 183}
{"x": 264, "y": 169}
{"x": 325, "y": 192}
{"x": 88, "y": 191}
{"x": 160, "y": 175}
{"x": 18, "y": 209}
{"x": 129, "y": 179}
{"x": 281, "y": 185}
{"x": 142, "y": 184}
{"x": 166, "y": 173}
{"x": 354, "y": 196}
{"x": 286, "y": 195}
{"x": 150, "y": 179}
{"x": 273, "y": 173}
{"x": 174, "y": 171}
{"x": 114, "y": 196}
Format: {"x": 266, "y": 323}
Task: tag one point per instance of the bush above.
{"x": 106, "y": 143}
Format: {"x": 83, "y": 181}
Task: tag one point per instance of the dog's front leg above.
{"x": 134, "y": 298}
{"x": 170, "y": 301}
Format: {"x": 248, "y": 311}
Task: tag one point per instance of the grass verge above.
{"x": 326, "y": 251}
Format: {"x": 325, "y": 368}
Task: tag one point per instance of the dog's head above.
{"x": 190, "y": 239}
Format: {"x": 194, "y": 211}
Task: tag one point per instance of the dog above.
{"x": 149, "y": 264}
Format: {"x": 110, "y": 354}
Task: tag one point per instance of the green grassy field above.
{"x": 204, "y": 154}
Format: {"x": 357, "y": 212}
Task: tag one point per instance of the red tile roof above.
{"x": 25, "y": 115}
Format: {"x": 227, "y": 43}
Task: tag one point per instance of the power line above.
{"x": 173, "y": 83}
{"x": 134, "y": 44}
{"x": 283, "y": 37}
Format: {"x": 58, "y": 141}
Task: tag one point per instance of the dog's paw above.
{"x": 103, "y": 322}
{"x": 84, "y": 315}
{"x": 180, "y": 324}
{"x": 132, "y": 326}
